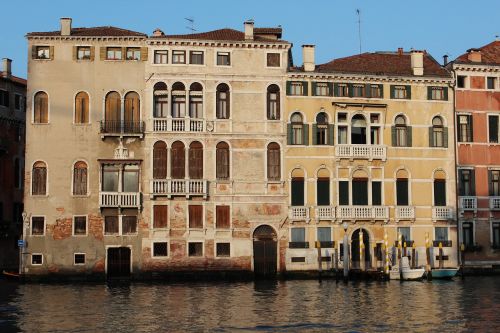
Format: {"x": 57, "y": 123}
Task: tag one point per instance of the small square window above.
{"x": 111, "y": 225}
{"x": 36, "y": 259}
{"x": 42, "y": 52}
{"x": 400, "y": 92}
{"x": 129, "y": 225}
{"x": 178, "y": 57}
{"x": 461, "y": 81}
{"x": 133, "y": 53}
{"x": 296, "y": 88}
{"x": 160, "y": 249}
{"x": 273, "y": 60}
{"x": 223, "y": 250}
{"x": 161, "y": 57}
{"x": 196, "y": 58}
{"x": 83, "y": 53}
{"x": 342, "y": 117}
{"x": 114, "y": 53}
{"x": 37, "y": 225}
{"x": 321, "y": 89}
{"x": 491, "y": 82}
{"x": 80, "y": 226}
{"x": 374, "y": 118}
{"x": 223, "y": 59}
{"x": 79, "y": 259}
{"x": 196, "y": 249}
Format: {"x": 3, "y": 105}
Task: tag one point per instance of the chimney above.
{"x": 248, "y": 29}
{"x": 65, "y": 26}
{"x": 474, "y": 55}
{"x": 7, "y": 69}
{"x": 400, "y": 51}
{"x": 158, "y": 33}
{"x": 417, "y": 62}
{"x": 445, "y": 60}
{"x": 308, "y": 58}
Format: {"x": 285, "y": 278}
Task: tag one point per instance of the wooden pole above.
{"x": 386, "y": 256}
{"x": 320, "y": 264}
{"x": 346, "y": 258}
{"x": 361, "y": 250}
{"x": 336, "y": 254}
{"x": 428, "y": 256}
{"x": 413, "y": 256}
{"x": 441, "y": 261}
{"x": 399, "y": 257}
{"x": 462, "y": 259}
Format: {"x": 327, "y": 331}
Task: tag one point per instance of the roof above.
{"x": 490, "y": 54}
{"x": 381, "y": 63}
{"x": 15, "y": 79}
{"x": 225, "y": 34}
{"x": 107, "y": 31}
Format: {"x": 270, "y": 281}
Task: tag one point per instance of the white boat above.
{"x": 407, "y": 272}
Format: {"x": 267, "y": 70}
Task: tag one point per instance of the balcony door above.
{"x": 360, "y": 191}
{"x": 358, "y": 130}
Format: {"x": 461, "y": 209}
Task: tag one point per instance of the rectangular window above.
{"x": 131, "y": 178}
{"x": 114, "y": 53}
{"x": 439, "y": 192}
{"x": 223, "y": 59}
{"x": 437, "y": 93}
{"x": 4, "y": 98}
{"x": 324, "y": 234}
{"x": 342, "y": 135}
{"x": 223, "y": 250}
{"x": 80, "y": 225}
{"x": 83, "y": 52}
{"x": 196, "y": 57}
{"x": 111, "y": 226}
{"x": 129, "y": 225}
{"x": 321, "y": 89}
{"x": 376, "y": 193}
{"x": 161, "y": 57}
{"x": 461, "y": 81}
{"x": 441, "y": 234}
{"x": 17, "y": 102}
{"x": 195, "y": 249}
{"x": 273, "y": 60}
{"x": 495, "y": 230}
{"x": 297, "y": 134}
{"x": 79, "y": 259}
{"x": 493, "y": 128}
{"x": 405, "y": 234}
{"x": 297, "y": 191}
{"x": 42, "y": 52}
{"x": 494, "y": 183}
{"x": 358, "y": 90}
{"x": 296, "y": 89}
{"x": 323, "y": 191}
{"x": 178, "y": 57}
{"x": 133, "y": 53}
{"x": 466, "y": 182}
{"x": 375, "y": 91}
{"x": 37, "y": 226}
{"x": 342, "y": 90}
{"x": 222, "y": 217}
{"x": 110, "y": 175}
{"x": 160, "y": 216}
{"x": 399, "y": 92}
{"x": 491, "y": 82}
{"x": 298, "y": 235}
{"x": 402, "y": 192}
{"x": 160, "y": 249}
{"x": 36, "y": 259}
{"x": 375, "y": 135}
{"x": 464, "y": 128}
{"x": 196, "y": 216}
{"x": 360, "y": 191}
{"x": 468, "y": 234}
{"x": 343, "y": 193}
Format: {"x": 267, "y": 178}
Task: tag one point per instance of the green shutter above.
{"x": 331, "y": 137}
{"x": 381, "y": 87}
{"x": 288, "y": 87}
{"x": 349, "y": 88}
{"x": 368, "y": 90}
{"x": 473, "y": 182}
{"x": 336, "y": 89}
{"x": 445, "y": 93}
{"x": 330, "y": 89}
{"x": 431, "y": 137}
{"x": 408, "y": 92}
{"x": 313, "y": 88}
{"x": 394, "y": 135}
{"x": 314, "y": 134}
{"x": 305, "y": 131}
{"x": 429, "y": 93}
{"x": 289, "y": 133}
{"x": 392, "y": 91}
{"x": 445, "y": 137}
{"x": 304, "y": 88}
{"x": 471, "y": 126}
{"x": 409, "y": 136}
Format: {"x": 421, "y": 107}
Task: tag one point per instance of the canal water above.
{"x": 472, "y": 305}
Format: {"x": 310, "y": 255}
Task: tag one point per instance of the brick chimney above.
{"x": 400, "y": 51}
{"x": 417, "y": 62}
{"x": 248, "y": 29}
{"x": 474, "y": 55}
{"x": 158, "y": 33}
{"x": 308, "y": 58}
{"x": 66, "y": 26}
{"x": 7, "y": 68}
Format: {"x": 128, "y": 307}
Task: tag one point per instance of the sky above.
{"x": 438, "y": 26}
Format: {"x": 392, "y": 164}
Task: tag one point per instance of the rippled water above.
{"x": 291, "y": 306}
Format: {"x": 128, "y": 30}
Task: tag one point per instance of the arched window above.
{"x": 195, "y": 160}
{"x": 82, "y": 108}
{"x": 297, "y": 187}
{"x": 222, "y": 161}
{"x": 178, "y": 160}
{"x": 400, "y": 132}
{"x": 132, "y": 115}
{"x": 296, "y": 130}
{"x": 273, "y": 102}
{"x": 39, "y": 178}
{"x": 160, "y": 100}
{"x": 323, "y": 188}
{"x": 439, "y": 188}
{"x": 320, "y": 129}
{"x": 41, "y": 108}
{"x": 112, "y": 116}
{"x": 178, "y": 100}
{"x": 358, "y": 130}
{"x": 222, "y": 101}
{"x": 273, "y": 161}
{"x": 438, "y": 133}
{"x": 80, "y": 174}
{"x": 196, "y": 100}
{"x": 160, "y": 160}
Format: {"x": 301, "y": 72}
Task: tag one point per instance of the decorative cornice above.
{"x": 371, "y": 78}
{"x": 476, "y": 67}
{"x": 87, "y": 38}
{"x": 208, "y": 43}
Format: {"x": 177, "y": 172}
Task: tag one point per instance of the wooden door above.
{"x": 119, "y": 262}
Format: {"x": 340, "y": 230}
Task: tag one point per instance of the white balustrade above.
{"x": 363, "y": 212}
{"x": 325, "y": 212}
{"x": 299, "y": 213}
{"x": 495, "y": 203}
{"x": 187, "y": 187}
{"x": 371, "y": 152}
{"x": 441, "y": 213}
{"x": 120, "y": 199}
{"x": 178, "y": 125}
{"x": 405, "y": 212}
{"x": 468, "y": 203}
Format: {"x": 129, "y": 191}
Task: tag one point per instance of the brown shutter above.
{"x": 78, "y": 109}
{"x": 144, "y": 53}
{"x": 222, "y": 161}
{"x": 44, "y": 109}
{"x": 278, "y": 110}
{"x": 75, "y": 52}
{"x": 160, "y": 161}
{"x": 36, "y": 112}
{"x": 196, "y": 161}
{"x": 51, "y": 52}
{"x": 102, "y": 53}
{"x": 178, "y": 160}
{"x": 222, "y": 217}
{"x": 195, "y": 216}
{"x": 33, "y": 52}
{"x": 92, "y": 53}
{"x": 273, "y": 162}
{"x": 160, "y": 216}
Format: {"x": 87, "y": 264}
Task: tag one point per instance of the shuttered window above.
{"x": 160, "y": 160}
{"x": 402, "y": 192}
{"x": 132, "y": 112}
{"x": 323, "y": 191}
{"x": 195, "y": 160}
{"x": 178, "y": 160}
{"x": 222, "y": 217}
{"x": 39, "y": 179}
{"x": 466, "y": 182}
{"x": 112, "y": 114}
{"x": 222, "y": 101}
{"x": 439, "y": 192}
{"x": 298, "y": 191}
{"x": 343, "y": 193}
{"x": 82, "y": 108}
{"x": 360, "y": 191}
{"x": 80, "y": 174}
{"x": 273, "y": 161}
{"x": 41, "y": 111}
{"x": 160, "y": 216}
{"x": 273, "y": 102}
{"x": 222, "y": 161}
{"x": 196, "y": 216}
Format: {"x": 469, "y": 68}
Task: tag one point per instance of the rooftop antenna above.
{"x": 191, "y": 24}
{"x": 358, "y": 12}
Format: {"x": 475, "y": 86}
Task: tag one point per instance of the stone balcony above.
{"x": 121, "y": 128}
{"x": 442, "y": 213}
{"x": 369, "y": 152}
{"x": 405, "y": 212}
{"x": 495, "y": 203}
{"x": 120, "y": 200}
{"x": 325, "y": 213}
{"x": 178, "y": 125}
{"x": 299, "y": 213}
{"x": 467, "y": 203}
{"x": 362, "y": 213}
{"x": 179, "y": 187}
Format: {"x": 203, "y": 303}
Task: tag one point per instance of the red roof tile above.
{"x": 15, "y": 79}
{"x": 382, "y": 63}
{"x": 225, "y": 34}
{"x": 490, "y": 54}
{"x": 93, "y": 32}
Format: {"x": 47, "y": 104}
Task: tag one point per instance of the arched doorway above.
{"x": 265, "y": 246}
{"x": 355, "y": 248}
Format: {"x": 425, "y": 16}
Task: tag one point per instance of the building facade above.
{"x": 12, "y": 119}
{"x": 370, "y": 154}
{"x": 477, "y": 103}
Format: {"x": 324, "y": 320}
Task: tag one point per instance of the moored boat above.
{"x": 406, "y": 272}
{"x": 444, "y": 273}
{"x": 10, "y": 275}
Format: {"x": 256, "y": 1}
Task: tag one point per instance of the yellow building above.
{"x": 370, "y": 149}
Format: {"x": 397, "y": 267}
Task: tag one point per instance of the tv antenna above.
{"x": 358, "y": 12}
{"x": 191, "y": 24}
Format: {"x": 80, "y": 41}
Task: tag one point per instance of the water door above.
{"x": 119, "y": 262}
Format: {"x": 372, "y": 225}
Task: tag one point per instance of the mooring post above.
{"x": 336, "y": 258}
{"x": 462, "y": 260}
{"x": 361, "y": 250}
{"x": 320, "y": 264}
{"x": 346, "y": 254}
{"x": 413, "y": 256}
{"x": 441, "y": 262}
{"x": 386, "y": 256}
{"x": 428, "y": 256}
{"x": 400, "y": 256}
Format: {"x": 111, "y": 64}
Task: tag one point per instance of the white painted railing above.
{"x": 441, "y": 213}
{"x": 371, "y": 152}
{"x": 363, "y": 212}
{"x": 495, "y": 203}
{"x": 325, "y": 212}
{"x": 405, "y": 212}
{"x": 468, "y": 203}
{"x": 178, "y": 125}
{"x": 120, "y": 199}
{"x": 187, "y": 187}
{"x": 299, "y": 213}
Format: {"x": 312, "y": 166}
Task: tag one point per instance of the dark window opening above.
{"x": 195, "y": 249}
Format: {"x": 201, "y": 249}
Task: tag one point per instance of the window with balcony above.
{"x": 401, "y": 133}
{"x": 120, "y": 177}
{"x": 439, "y": 192}
{"x": 41, "y": 108}
{"x": 360, "y": 191}
{"x": 80, "y": 225}
{"x": 160, "y": 160}
{"x": 273, "y": 102}
{"x": 464, "y": 128}
{"x": 160, "y": 216}
{"x": 323, "y": 191}
{"x": 222, "y": 101}
{"x": 468, "y": 234}
{"x": 80, "y": 174}
{"x": 112, "y": 114}
{"x": 196, "y": 57}
{"x": 402, "y": 192}
{"x": 178, "y": 160}
{"x": 493, "y": 128}
{"x": 161, "y": 57}
{"x": 160, "y": 100}
{"x": 82, "y": 108}
{"x": 132, "y": 112}
{"x": 222, "y": 161}
{"x": 273, "y": 162}
{"x": 39, "y": 178}
{"x": 466, "y": 184}
{"x": 196, "y": 100}
{"x": 178, "y": 100}
{"x": 223, "y": 59}
{"x": 178, "y": 57}
{"x": 494, "y": 183}
{"x": 298, "y": 132}
{"x": 322, "y": 131}
{"x": 358, "y": 130}
{"x": 297, "y": 191}
{"x": 195, "y": 216}
{"x": 438, "y": 134}
{"x": 222, "y": 217}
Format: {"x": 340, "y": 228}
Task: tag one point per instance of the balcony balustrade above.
{"x": 495, "y": 203}
{"x": 120, "y": 199}
{"x": 468, "y": 203}
{"x": 121, "y": 128}
{"x": 370, "y": 152}
{"x": 299, "y": 213}
{"x": 178, "y": 125}
{"x": 178, "y": 187}
{"x": 442, "y": 213}
{"x": 363, "y": 212}
{"x": 325, "y": 212}
{"x": 405, "y": 212}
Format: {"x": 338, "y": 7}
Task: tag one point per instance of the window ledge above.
{"x": 80, "y": 196}
{"x": 32, "y": 123}
{"x": 39, "y": 196}
{"x": 160, "y": 257}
